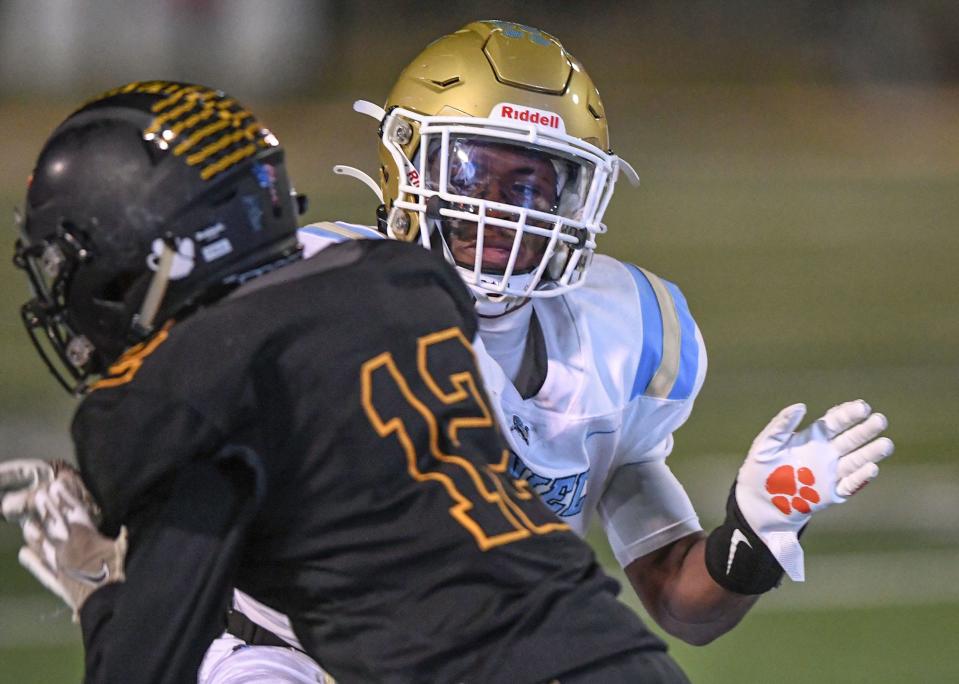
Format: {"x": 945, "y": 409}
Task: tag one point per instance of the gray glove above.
{"x": 62, "y": 548}
{"x": 17, "y": 478}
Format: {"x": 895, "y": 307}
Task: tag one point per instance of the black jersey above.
{"x": 384, "y": 524}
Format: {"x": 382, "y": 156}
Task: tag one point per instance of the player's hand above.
{"x": 17, "y": 478}
{"x": 790, "y": 475}
{"x": 62, "y": 547}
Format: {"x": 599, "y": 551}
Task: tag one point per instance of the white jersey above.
{"x": 624, "y": 361}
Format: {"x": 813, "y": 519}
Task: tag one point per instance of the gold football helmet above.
{"x": 494, "y": 148}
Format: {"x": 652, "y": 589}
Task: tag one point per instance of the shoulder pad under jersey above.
{"x": 317, "y": 236}
{"x": 670, "y": 358}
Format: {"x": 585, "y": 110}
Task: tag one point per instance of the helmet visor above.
{"x": 508, "y": 174}
{"x": 527, "y": 197}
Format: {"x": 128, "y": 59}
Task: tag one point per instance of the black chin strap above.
{"x": 526, "y": 300}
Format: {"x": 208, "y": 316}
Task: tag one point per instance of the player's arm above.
{"x": 699, "y": 587}
{"x": 156, "y": 624}
{"x": 656, "y": 536}
{"x": 675, "y": 588}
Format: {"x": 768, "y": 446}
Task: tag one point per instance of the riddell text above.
{"x": 550, "y": 120}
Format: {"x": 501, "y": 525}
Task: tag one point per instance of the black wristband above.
{"x": 736, "y": 557}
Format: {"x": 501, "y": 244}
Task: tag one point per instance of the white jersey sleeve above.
{"x": 644, "y": 507}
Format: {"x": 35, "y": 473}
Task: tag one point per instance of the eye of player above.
{"x": 501, "y": 173}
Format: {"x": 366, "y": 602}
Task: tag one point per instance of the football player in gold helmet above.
{"x": 494, "y": 148}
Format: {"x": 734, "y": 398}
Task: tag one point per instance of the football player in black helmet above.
{"x": 311, "y": 434}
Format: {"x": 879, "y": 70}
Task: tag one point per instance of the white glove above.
{"x": 789, "y": 475}
{"x": 17, "y": 478}
{"x": 63, "y": 548}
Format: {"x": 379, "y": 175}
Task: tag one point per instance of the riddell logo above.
{"x": 527, "y": 114}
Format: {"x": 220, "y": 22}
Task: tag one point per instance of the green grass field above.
{"x": 814, "y": 234}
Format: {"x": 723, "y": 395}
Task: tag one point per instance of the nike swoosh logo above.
{"x": 733, "y": 545}
{"x": 94, "y": 579}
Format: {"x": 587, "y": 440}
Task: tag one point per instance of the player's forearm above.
{"x": 678, "y": 592}
{"x": 144, "y": 629}
{"x": 155, "y": 626}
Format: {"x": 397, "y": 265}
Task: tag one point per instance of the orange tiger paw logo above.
{"x": 792, "y": 490}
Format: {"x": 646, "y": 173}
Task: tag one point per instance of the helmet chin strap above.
{"x": 493, "y": 306}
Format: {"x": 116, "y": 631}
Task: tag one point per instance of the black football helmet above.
{"x": 148, "y": 201}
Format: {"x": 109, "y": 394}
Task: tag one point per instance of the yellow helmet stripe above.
{"x": 229, "y": 160}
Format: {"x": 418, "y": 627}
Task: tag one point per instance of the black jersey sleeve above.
{"x": 183, "y": 553}
{"x": 129, "y": 444}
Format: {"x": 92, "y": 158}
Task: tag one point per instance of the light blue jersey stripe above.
{"x": 324, "y": 233}
{"x": 652, "y": 353}
{"x": 689, "y": 349}
{"x": 339, "y": 232}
